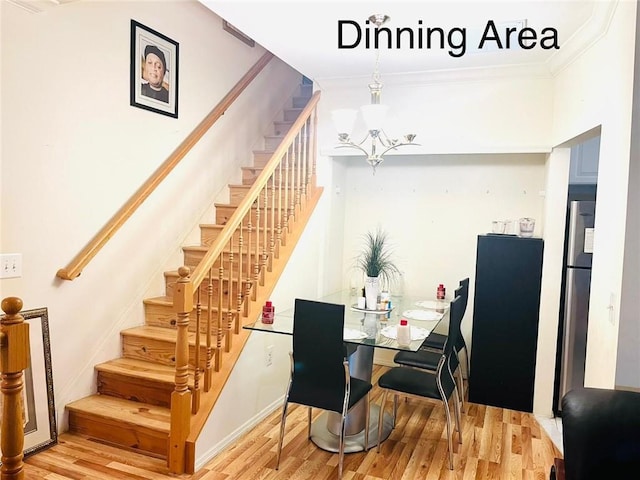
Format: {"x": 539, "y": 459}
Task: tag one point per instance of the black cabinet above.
{"x": 505, "y": 321}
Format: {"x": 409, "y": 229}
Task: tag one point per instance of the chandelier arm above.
{"x": 394, "y": 147}
{"x": 384, "y": 139}
{"x": 354, "y": 145}
{"x": 366, "y": 137}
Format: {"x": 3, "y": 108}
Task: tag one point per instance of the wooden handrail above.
{"x": 74, "y": 268}
{"x": 14, "y": 358}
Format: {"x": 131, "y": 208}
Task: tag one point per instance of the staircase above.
{"x": 132, "y": 406}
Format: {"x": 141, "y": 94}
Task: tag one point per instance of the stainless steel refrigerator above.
{"x": 577, "y": 283}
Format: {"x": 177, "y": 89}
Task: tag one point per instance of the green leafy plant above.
{"x": 375, "y": 259}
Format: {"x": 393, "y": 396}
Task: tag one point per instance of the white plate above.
{"x": 422, "y": 315}
{"x": 352, "y": 334}
{"x": 433, "y": 305}
{"x": 417, "y": 333}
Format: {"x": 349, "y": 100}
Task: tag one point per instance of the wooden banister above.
{"x": 253, "y": 231}
{"x": 199, "y": 274}
{"x": 14, "y": 358}
{"x": 75, "y": 267}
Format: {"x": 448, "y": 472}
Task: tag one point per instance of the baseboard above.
{"x": 627, "y": 388}
{"x": 237, "y": 433}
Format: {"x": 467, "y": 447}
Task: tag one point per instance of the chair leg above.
{"x": 457, "y": 407}
{"x": 460, "y": 385}
{"x": 366, "y": 427}
{"x": 282, "y": 422}
{"x": 449, "y": 432}
{"x": 381, "y": 417}
{"x": 343, "y": 426}
{"x": 395, "y": 409}
{"x": 309, "y": 424}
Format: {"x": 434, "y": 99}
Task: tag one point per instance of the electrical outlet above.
{"x": 10, "y": 265}
{"x": 268, "y": 355}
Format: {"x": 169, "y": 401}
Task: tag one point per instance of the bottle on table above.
{"x": 268, "y": 312}
{"x": 403, "y": 335}
{"x": 440, "y": 296}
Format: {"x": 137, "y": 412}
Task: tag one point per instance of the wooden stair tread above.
{"x": 174, "y": 273}
{"x": 136, "y": 368}
{"x": 219, "y": 226}
{"x": 234, "y": 206}
{"x": 148, "y": 331}
{"x": 162, "y": 300}
{"x": 205, "y": 248}
{"x": 247, "y": 187}
{"x": 263, "y": 152}
{"x": 152, "y": 332}
{"x": 136, "y": 414}
{"x": 166, "y": 301}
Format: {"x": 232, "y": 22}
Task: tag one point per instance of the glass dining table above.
{"x": 364, "y": 331}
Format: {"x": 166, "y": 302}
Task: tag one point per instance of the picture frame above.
{"x": 40, "y": 429}
{"x": 227, "y": 27}
{"x": 153, "y": 71}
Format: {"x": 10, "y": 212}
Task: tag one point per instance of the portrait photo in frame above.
{"x": 40, "y": 430}
{"x": 154, "y": 70}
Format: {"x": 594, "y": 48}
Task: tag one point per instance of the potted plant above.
{"x": 375, "y": 261}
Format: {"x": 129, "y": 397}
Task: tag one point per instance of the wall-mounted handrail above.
{"x": 75, "y": 267}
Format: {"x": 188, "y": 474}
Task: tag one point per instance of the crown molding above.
{"x": 454, "y": 75}
{"x": 584, "y": 38}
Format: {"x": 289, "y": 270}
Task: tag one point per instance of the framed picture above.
{"x": 40, "y": 429}
{"x": 154, "y": 71}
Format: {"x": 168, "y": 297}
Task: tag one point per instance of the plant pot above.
{"x": 371, "y": 291}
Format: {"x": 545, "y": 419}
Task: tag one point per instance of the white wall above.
{"x": 596, "y": 89}
{"x": 628, "y": 362}
{"x": 74, "y": 150}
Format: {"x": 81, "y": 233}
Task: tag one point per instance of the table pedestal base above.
{"x": 326, "y": 440}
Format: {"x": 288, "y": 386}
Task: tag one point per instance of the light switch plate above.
{"x": 10, "y": 265}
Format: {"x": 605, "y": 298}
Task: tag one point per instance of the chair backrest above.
{"x": 600, "y": 433}
{"x": 455, "y": 318}
{"x": 464, "y": 293}
{"x": 318, "y": 347}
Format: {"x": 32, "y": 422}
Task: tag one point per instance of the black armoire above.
{"x": 505, "y": 321}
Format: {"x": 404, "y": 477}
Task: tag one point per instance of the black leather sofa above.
{"x": 600, "y": 435}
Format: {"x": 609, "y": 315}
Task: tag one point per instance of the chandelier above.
{"x": 373, "y": 115}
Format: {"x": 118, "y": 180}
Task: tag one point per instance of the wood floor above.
{"x": 497, "y": 444}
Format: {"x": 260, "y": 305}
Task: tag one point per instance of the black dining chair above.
{"x": 438, "y": 385}
{"x": 428, "y": 354}
{"x": 320, "y": 375}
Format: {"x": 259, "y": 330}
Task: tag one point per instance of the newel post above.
{"x": 181, "y": 396}
{"x": 14, "y": 358}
